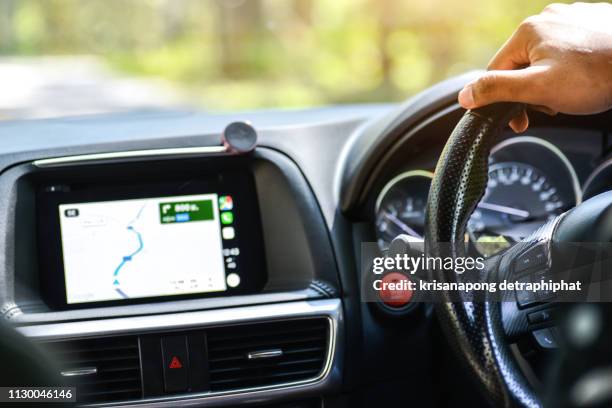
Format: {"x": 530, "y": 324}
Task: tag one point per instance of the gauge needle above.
{"x": 504, "y": 209}
{"x": 402, "y": 225}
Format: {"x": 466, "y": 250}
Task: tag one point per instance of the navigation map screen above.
{"x": 145, "y": 248}
{"x": 113, "y": 249}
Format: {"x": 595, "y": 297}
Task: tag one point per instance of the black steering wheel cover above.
{"x": 474, "y": 328}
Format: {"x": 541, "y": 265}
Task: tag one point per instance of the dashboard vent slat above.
{"x": 303, "y": 342}
{"x": 116, "y": 359}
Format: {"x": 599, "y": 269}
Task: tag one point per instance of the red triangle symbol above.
{"x": 175, "y": 363}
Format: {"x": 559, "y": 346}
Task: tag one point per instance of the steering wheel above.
{"x": 476, "y": 328}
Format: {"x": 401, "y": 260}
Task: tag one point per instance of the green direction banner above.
{"x": 186, "y": 211}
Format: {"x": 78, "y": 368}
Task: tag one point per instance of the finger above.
{"x": 515, "y": 51}
{"x": 513, "y": 54}
{"x": 521, "y": 85}
{"x": 520, "y": 123}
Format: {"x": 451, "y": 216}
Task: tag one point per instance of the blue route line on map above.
{"x": 129, "y": 257}
{"x": 126, "y": 259}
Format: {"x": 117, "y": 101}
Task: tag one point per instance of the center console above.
{"x": 210, "y": 276}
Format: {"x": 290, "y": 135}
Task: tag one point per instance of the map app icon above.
{"x": 226, "y": 203}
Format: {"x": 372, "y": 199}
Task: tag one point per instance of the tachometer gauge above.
{"x": 530, "y": 182}
{"x": 400, "y": 206}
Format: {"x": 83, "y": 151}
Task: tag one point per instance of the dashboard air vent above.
{"x": 102, "y": 369}
{"x": 265, "y": 354}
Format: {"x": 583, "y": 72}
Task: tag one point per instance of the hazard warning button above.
{"x": 176, "y": 376}
{"x": 175, "y": 363}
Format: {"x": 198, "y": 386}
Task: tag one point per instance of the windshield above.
{"x": 60, "y": 57}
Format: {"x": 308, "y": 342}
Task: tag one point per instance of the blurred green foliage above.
{"x": 234, "y": 54}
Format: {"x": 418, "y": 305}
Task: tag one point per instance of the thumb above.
{"x": 502, "y": 86}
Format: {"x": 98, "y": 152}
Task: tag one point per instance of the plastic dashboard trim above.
{"x": 121, "y": 156}
{"x": 330, "y": 308}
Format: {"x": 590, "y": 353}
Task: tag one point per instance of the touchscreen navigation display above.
{"x": 130, "y": 243}
{"x": 145, "y": 247}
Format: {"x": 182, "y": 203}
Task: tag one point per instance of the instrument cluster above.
{"x": 530, "y": 182}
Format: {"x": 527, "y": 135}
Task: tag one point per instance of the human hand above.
{"x": 557, "y": 61}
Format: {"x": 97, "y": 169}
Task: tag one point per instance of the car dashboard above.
{"x": 279, "y": 319}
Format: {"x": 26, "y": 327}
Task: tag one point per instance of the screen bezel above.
{"x": 237, "y": 183}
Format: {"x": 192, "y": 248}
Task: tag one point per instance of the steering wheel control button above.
{"x": 176, "y": 364}
{"x": 525, "y": 297}
{"x": 539, "y": 317}
{"x": 546, "y": 338}
{"x": 544, "y": 294}
{"x": 395, "y": 291}
{"x": 531, "y": 258}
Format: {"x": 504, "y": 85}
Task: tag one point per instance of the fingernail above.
{"x": 466, "y": 97}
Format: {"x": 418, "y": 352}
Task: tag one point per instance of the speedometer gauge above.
{"x": 400, "y": 206}
{"x": 518, "y": 200}
{"x": 530, "y": 182}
